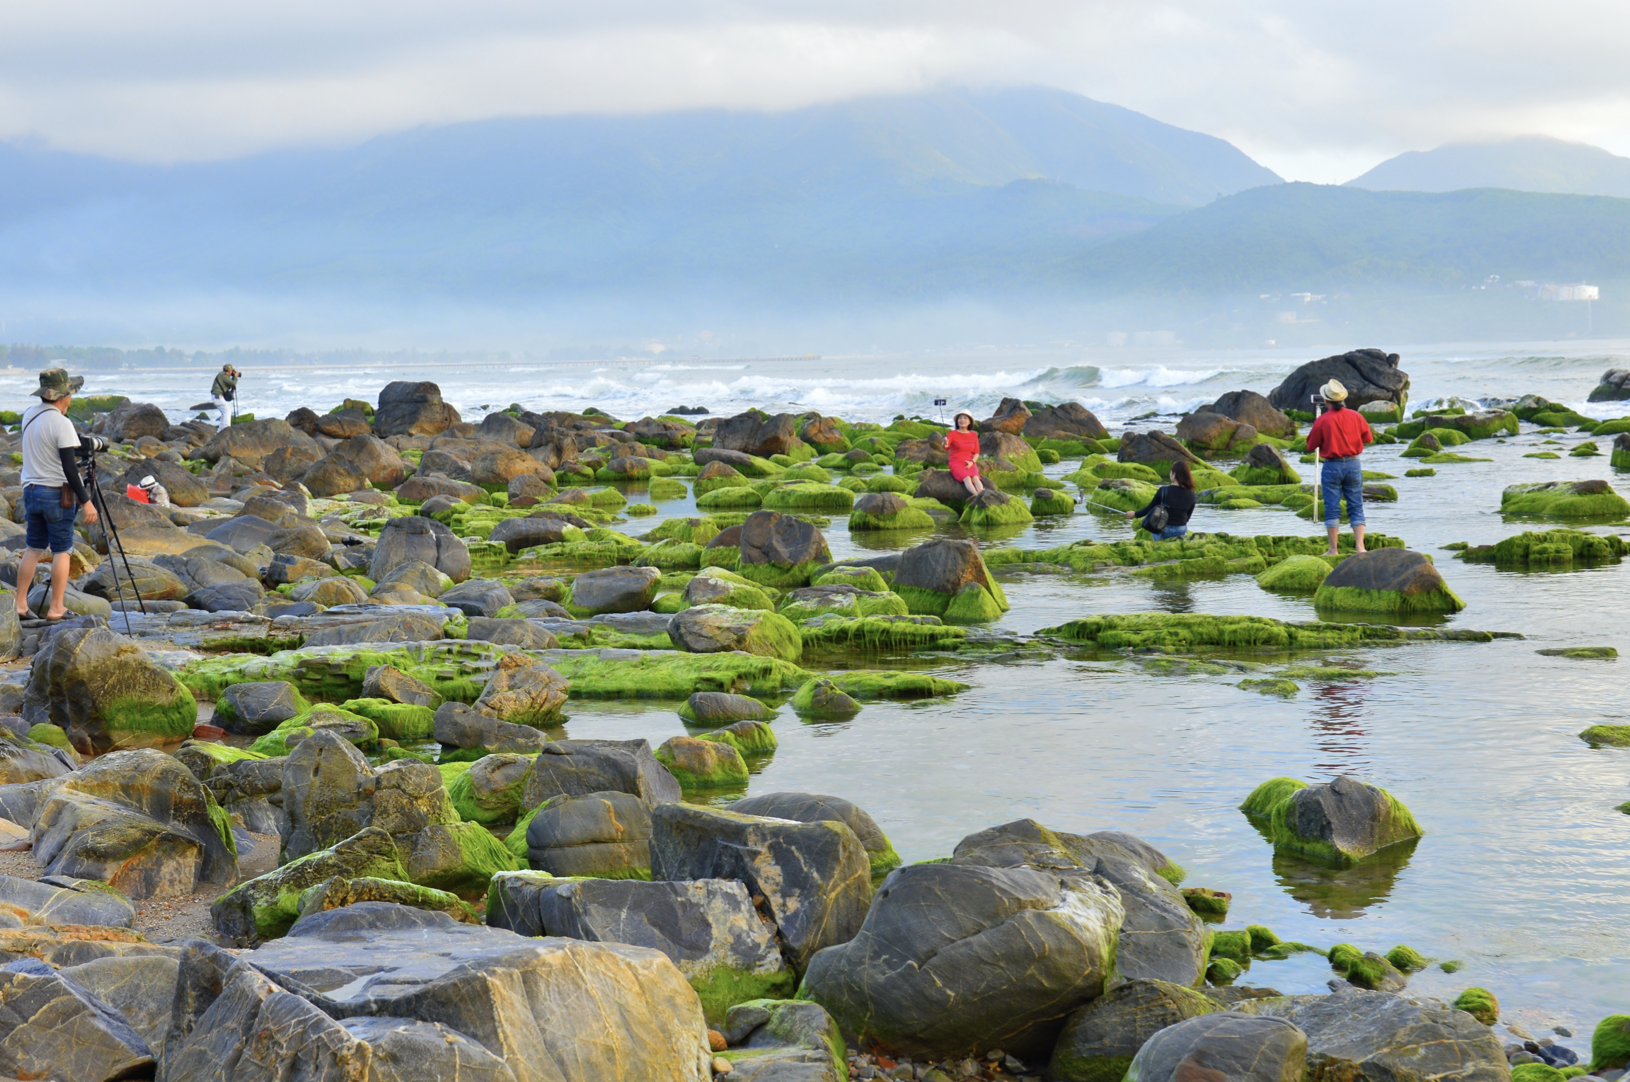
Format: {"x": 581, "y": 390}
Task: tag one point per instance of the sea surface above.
{"x": 1524, "y": 872}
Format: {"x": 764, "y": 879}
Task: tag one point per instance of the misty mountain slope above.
{"x": 1533, "y": 163}
{"x": 1318, "y": 237}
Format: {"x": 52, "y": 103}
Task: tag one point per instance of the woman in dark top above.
{"x": 1178, "y": 500}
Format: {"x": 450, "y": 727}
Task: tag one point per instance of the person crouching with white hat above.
{"x": 1341, "y": 433}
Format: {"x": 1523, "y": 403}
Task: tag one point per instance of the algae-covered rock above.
{"x": 1610, "y": 1044}
{"x": 1265, "y": 465}
{"x": 1366, "y": 969}
{"x": 257, "y": 707}
{"x": 1550, "y": 549}
{"x": 840, "y": 599}
{"x": 266, "y": 906}
{"x": 328, "y": 789}
{"x": 614, "y": 589}
{"x": 604, "y": 834}
{"x": 106, "y": 692}
{"x": 339, "y": 892}
{"x": 821, "y": 698}
{"x": 582, "y": 767}
{"x": 490, "y": 790}
{"x": 702, "y": 764}
{"x": 887, "y": 511}
{"x": 1099, "y": 1040}
{"x": 406, "y": 723}
{"x": 674, "y": 674}
{"x": 716, "y": 586}
{"x": 1343, "y": 821}
{"x": 27, "y": 760}
{"x": 783, "y": 1039}
{"x": 1295, "y": 574}
{"x": 1386, "y": 580}
{"x": 457, "y": 857}
{"x": 1188, "y": 631}
{"x": 722, "y": 708}
{"x": 994, "y": 508}
{"x": 814, "y": 877}
{"x": 1593, "y": 499}
{"x": 952, "y": 960}
{"x": 467, "y": 734}
{"x": 523, "y": 692}
{"x": 778, "y": 550}
{"x": 932, "y": 576}
{"x": 1607, "y": 736}
{"x": 714, "y": 628}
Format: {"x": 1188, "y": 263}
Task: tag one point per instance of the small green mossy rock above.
{"x": 266, "y": 906}
{"x": 1185, "y": 632}
{"x": 1583, "y": 653}
{"x": 1207, "y": 902}
{"x": 404, "y": 723}
{"x": 865, "y": 685}
{"x": 861, "y": 578}
{"x": 1285, "y": 689}
{"x": 488, "y": 790}
{"x": 1235, "y": 946}
{"x": 1407, "y": 959}
{"x": 460, "y": 858}
{"x": 56, "y": 737}
{"x": 1610, "y": 1044}
{"x": 1223, "y": 971}
{"x": 1047, "y": 501}
{"x": 729, "y": 499}
{"x": 338, "y": 892}
{"x": 640, "y": 510}
{"x": 1607, "y": 736}
{"x": 808, "y": 496}
{"x": 703, "y": 764}
{"x": 1537, "y": 1072}
{"x": 359, "y": 730}
{"x": 1342, "y": 821}
{"x": 666, "y": 488}
{"x": 973, "y": 604}
{"x": 1445, "y": 458}
{"x": 1295, "y": 574}
{"x": 991, "y": 508}
{"x": 1365, "y": 969}
{"x": 821, "y": 698}
{"x": 1547, "y": 455}
{"x": 1425, "y": 472}
{"x": 1262, "y": 938}
{"x": 1592, "y": 499}
{"x": 1386, "y": 580}
{"x": 1549, "y": 549}
{"x": 1588, "y": 449}
{"x": 1480, "y": 1004}
{"x": 877, "y": 634}
{"x": 750, "y": 738}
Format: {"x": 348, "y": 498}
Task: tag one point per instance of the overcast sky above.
{"x": 1314, "y": 90}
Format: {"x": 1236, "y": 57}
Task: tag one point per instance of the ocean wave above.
{"x": 1158, "y": 376}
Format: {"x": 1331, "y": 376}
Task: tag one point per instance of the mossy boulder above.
{"x": 995, "y": 508}
{"x": 490, "y": 790}
{"x": 1480, "y": 1004}
{"x": 338, "y": 892}
{"x": 1550, "y": 549}
{"x": 862, "y": 578}
{"x": 1365, "y": 969}
{"x": 1295, "y": 574}
{"x": 733, "y": 498}
{"x": 840, "y": 599}
{"x": 1386, "y": 580}
{"x": 106, "y": 693}
{"x": 1099, "y": 1041}
{"x": 751, "y": 738}
{"x": 1181, "y": 632}
{"x": 874, "y": 634}
{"x": 887, "y": 511}
{"x": 809, "y": 496}
{"x": 405, "y": 723}
{"x": 1343, "y": 821}
{"x": 1049, "y": 501}
{"x": 864, "y": 685}
{"x": 706, "y": 629}
{"x": 1592, "y": 499}
{"x": 266, "y": 906}
{"x": 1610, "y": 1044}
{"x": 255, "y": 708}
{"x": 948, "y": 578}
{"x": 821, "y": 698}
{"x": 723, "y": 708}
{"x": 702, "y": 764}
{"x": 1607, "y": 736}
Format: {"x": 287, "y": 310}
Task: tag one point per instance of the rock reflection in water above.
{"x": 1336, "y": 893}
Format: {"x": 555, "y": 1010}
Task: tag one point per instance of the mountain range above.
{"x": 1530, "y": 163}
{"x": 1033, "y": 201}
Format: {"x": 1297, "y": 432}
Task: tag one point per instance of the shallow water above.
{"x": 1524, "y": 873}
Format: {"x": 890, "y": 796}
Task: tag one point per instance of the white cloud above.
{"x": 1315, "y": 91}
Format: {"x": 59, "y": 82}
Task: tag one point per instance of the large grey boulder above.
{"x": 1065, "y": 421}
{"x": 1160, "y": 938}
{"x": 140, "y": 987}
{"x": 1100, "y": 1039}
{"x": 754, "y": 434}
{"x": 813, "y": 877}
{"x": 1154, "y": 446}
{"x": 328, "y": 791}
{"x": 1250, "y": 408}
{"x": 771, "y": 539}
{"x": 478, "y": 597}
{"x": 265, "y": 907}
{"x": 615, "y": 589}
{"x": 1381, "y": 1037}
{"x": 601, "y": 834}
{"x": 427, "y": 999}
{"x": 133, "y": 420}
{"x": 511, "y": 632}
{"x": 50, "y": 1027}
{"x": 711, "y": 629}
{"x": 24, "y": 902}
{"x": 1392, "y": 580}
{"x": 394, "y": 627}
{"x": 954, "y": 960}
{"x": 458, "y": 726}
{"x": 722, "y": 708}
{"x": 106, "y": 692}
{"x": 581, "y": 767}
{"x": 412, "y": 409}
{"x": 252, "y": 442}
{"x": 1225, "y": 1045}
{"x": 1370, "y": 375}
{"x": 816, "y": 808}
{"x": 516, "y": 534}
{"x": 137, "y": 820}
{"x": 413, "y": 537}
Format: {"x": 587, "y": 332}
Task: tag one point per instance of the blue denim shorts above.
{"x": 1170, "y": 533}
{"x": 1343, "y": 479}
{"x": 50, "y": 525}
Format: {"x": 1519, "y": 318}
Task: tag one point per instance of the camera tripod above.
{"x": 110, "y": 530}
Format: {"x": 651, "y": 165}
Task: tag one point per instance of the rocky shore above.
{"x": 288, "y": 795}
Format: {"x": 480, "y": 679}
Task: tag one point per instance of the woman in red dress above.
{"x": 962, "y": 447}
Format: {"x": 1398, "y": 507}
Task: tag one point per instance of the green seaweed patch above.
{"x": 1426, "y": 472}
{"x": 1480, "y": 1003}
{"x": 1207, "y": 902}
{"x": 405, "y": 723}
{"x": 1357, "y": 599}
{"x": 1284, "y": 688}
{"x": 1302, "y": 574}
{"x": 877, "y": 634}
{"x": 1223, "y": 971}
{"x": 1550, "y": 549}
{"x": 1607, "y": 736}
{"x": 1407, "y": 959}
{"x": 1268, "y": 796}
{"x": 1330, "y": 674}
{"x": 867, "y": 685}
{"x": 674, "y": 675}
{"x": 1583, "y": 653}
{"x": 1594, "y": 499}
{"x": 723, "y": 987}
{"x": 1610, "y": 1044}
{"x": 1364, "y": 970}
{"x": 1280, "y": 952}
{"x": 1182, "y": 632}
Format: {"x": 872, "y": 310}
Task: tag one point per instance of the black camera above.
{"x": 1320, "y": 403}
{"x": 90, "y": 445}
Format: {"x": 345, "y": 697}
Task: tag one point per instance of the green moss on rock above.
{"x": 1480, "y": 1004}
{"x": 1593, "y": 499}
{"x": 1269, "y": 795}
{"x": 1610, "y": 1044}
{"x": 1264, "y": 686}
{"x": 1407, "y": 959}
{"x": 404, "y": 723}
{"x": 874, "y": 634}
{"x": 1295, "y": 574}
{"x": 675, "y": 675}
{"x": 1607, "y": 736}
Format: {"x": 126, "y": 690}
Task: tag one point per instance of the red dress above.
{"x": 961, "y": 447}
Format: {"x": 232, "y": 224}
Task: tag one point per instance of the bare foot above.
{"x": 1361, "y": 550}
{"x": 25, "y": 614}
{"x": 49, "y": 615}
{"x": 1333, "y": 552}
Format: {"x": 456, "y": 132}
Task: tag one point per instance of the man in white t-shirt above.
{"x": 52, "y": 488}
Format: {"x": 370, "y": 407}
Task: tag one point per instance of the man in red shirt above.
{"x": 1341, "y": 433}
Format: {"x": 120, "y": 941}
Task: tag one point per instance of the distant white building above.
{"x": 1580, "y": 292}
